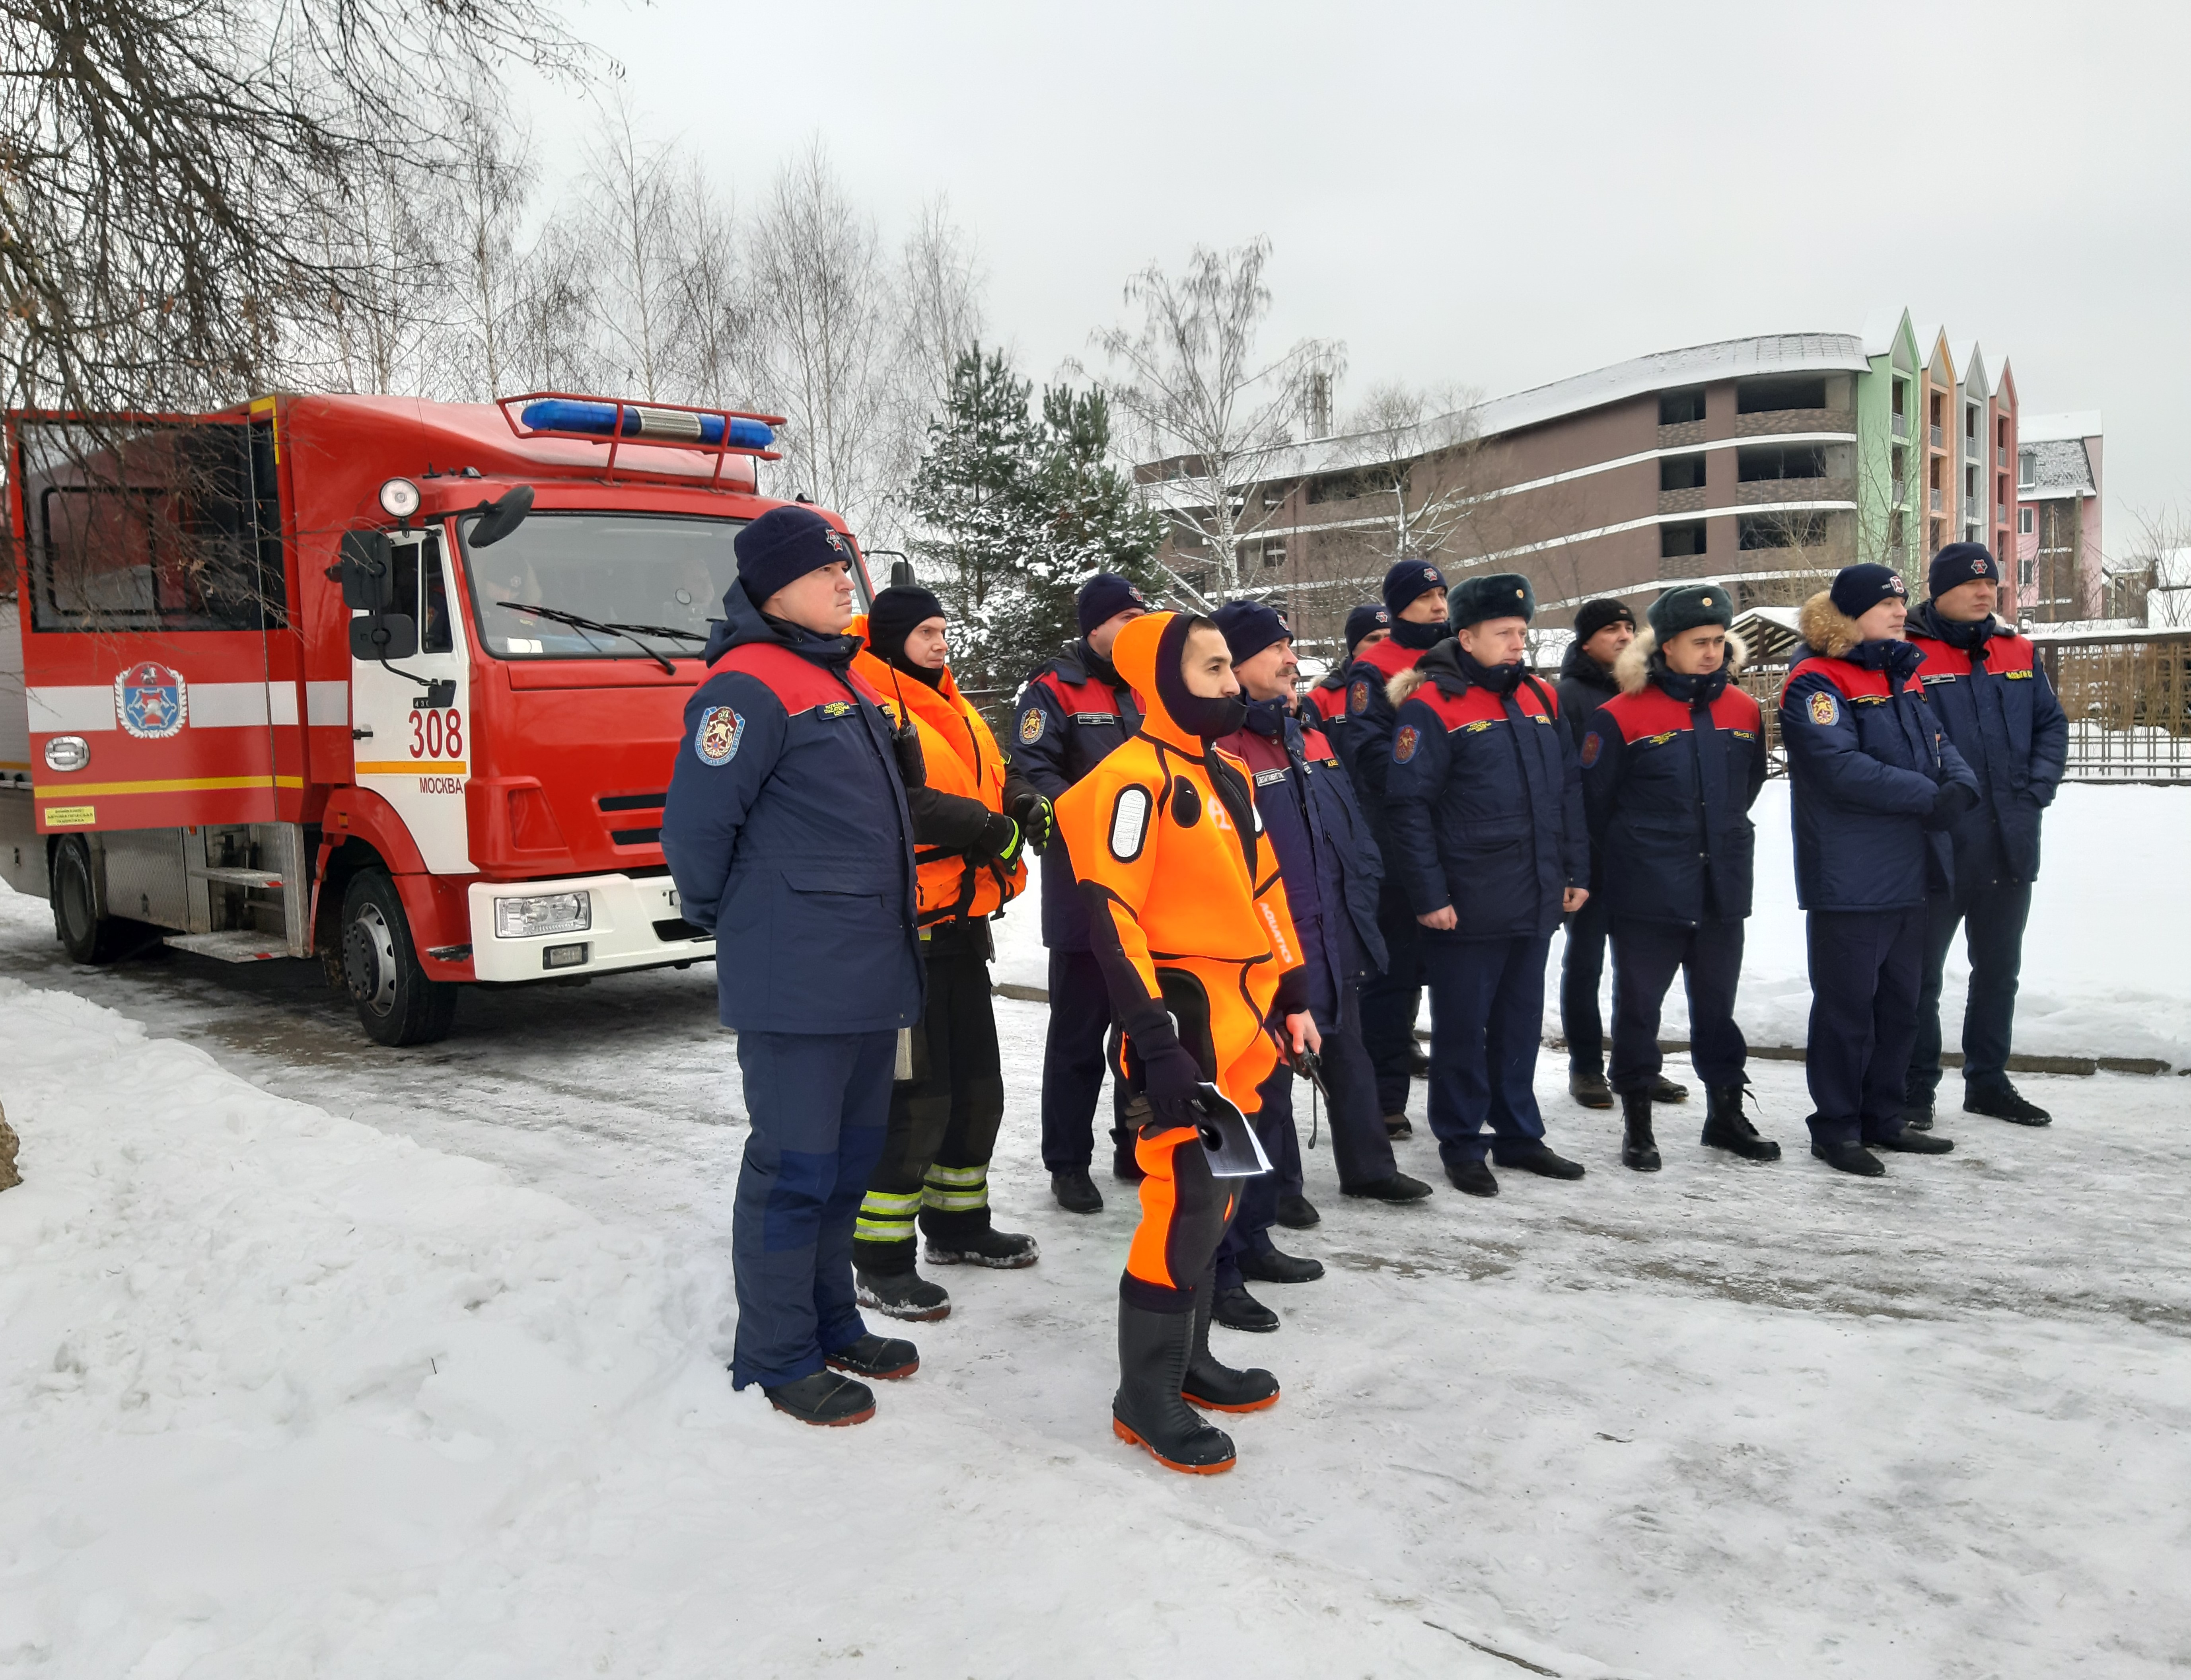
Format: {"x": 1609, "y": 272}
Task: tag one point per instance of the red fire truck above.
{"x": 395, "y": 682}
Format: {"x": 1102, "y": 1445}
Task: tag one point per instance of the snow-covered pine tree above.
{"x": 1095, "y": 522}
{"x": 974, "y": 497}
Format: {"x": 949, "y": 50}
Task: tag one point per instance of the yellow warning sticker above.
{"x": 71, "y": 816}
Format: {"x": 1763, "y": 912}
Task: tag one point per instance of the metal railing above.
{"x": 1900, "y": 426}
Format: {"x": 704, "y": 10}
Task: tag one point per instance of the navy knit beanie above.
{"x": 1406, "y": 580}
{"x": 1503, "y": 595}
{"x": 897, "y": 612}
{"x": 1103, "y": 597}
{"x": 1361, "y": 620}
{"x": 1858, "y": 588}
{"x": 782, "y": 546}
{"x": 1248, "y": 627}
{"x": 1593, "y": 615}
{"x": 1960, "y": 562}
{"x": 1688, "y": 606}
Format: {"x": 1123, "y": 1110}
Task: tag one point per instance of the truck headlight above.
{"x": 551, "y": 912}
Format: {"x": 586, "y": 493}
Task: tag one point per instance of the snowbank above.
{"x": 2104, "y": 968}
{"x": 285, "y": 1394}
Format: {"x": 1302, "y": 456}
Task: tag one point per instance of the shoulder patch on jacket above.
{"x": 1357, "y": 696}
{"x": 716, "y": 740}
{"x": 1591, "y": 746}
{"x": 1129, "y": 821}
{"x": 1405, "y": 743}
{"x": 1031, "y": 726}
{"x": 1824, "y": 709}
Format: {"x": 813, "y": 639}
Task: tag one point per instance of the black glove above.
{"x": 1169, "y": 1079}
{"x": 1033, "y": 812}
{"x": 1951, "y": 805}
{"x": 1001, "y": 839}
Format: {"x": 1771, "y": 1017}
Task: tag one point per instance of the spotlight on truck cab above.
{"x": 400, "y": 499}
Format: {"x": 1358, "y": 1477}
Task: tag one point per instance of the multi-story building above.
{"x": 2058, "y": 481}
{"x": 1767, "y": 463}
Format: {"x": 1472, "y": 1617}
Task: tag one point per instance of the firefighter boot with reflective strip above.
{"x": 1147, "y": 1411}
{"x": 1218, "y": 1387}
{"x": 954, "y": 1214}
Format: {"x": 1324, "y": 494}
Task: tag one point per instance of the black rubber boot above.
{"x": 1076, "y": 1192}
{"x": 1154, "y": 1350}
{"x": 970, "y": 1244}
{"x": 885, "y": 1357}
{"x": 1639, "y": 1150}
{"x": 1215, "y": 1386}
{"x": 824, "y": 1399}
{"x": 1727, "y": 1127}
{"x": 1124, "y": 1166}
{"x": 901, "y": 1295}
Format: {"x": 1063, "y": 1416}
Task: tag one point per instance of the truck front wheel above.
{"x": 395, "y": 1001}
{"x": 85, "y": 934}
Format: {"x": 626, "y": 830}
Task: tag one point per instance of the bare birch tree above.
{"x": 629, "y": 197}
{"x": 1198, "y": 391}
{"x": 715, "y": 322}
{"x": 490, "y": 185}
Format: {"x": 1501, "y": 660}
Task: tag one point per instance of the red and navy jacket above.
{"x": 1866, "y": 760}
{"x": 1071, "y": 714}
{"x": 1365, "y": 741}
{"x": 1328, "y": 696}
{"x": 1669, "y": 771}
{"x": 1992, "y": 700}
{"x": 1484, "y": 799}
{"x": 786, "y": 832}
{"x": 1331, "y": 866}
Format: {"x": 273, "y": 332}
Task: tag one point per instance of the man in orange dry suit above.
{"x": 1191, "y": 927}
{"x": 970, "y": 820}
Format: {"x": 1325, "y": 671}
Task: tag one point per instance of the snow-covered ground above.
{"x": 317, "y": 1360}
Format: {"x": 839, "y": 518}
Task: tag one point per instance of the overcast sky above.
{"x": 1504, "y": 197}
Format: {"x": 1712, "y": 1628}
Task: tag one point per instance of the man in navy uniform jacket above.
{"x": 1485, "y": 804}
{"x": 1670, "y": 765}
{"x": 787, "y": 834}
{"x": 1071, "y": 714}
{"x": 1877, "y": 787}
{"x": 1992, "y": 698}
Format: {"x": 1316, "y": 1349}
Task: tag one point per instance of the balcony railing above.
{"x": 1901, "y": 490}
{"x": 1782, "y": 422}
{"x": 1937, "y": 501}
{"x": 1939, "y": 438}
{"x": 2000, "y": 456}
{"x": 1900, "y": 425}
{"x": 1761, "y": 493}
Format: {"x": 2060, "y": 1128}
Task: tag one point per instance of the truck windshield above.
{"x": 604, "y": 585}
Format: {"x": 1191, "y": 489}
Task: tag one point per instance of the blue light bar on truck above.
{"x": 666, "y": 426}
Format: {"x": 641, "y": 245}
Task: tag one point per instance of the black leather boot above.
{"x": 1215, "y": 1387}
{"x": 1727, "y": 1127}
{"x": 1154, "y": 1349}
{"x": 1639, "y": 1150}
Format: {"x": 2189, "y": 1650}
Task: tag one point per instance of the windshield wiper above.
{"x": 631, "y": 633}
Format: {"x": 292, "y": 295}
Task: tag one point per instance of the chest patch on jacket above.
{"x": 716, "y": 740}
{"x": 1031, "y": 726}
{"x": 1130, "y": 823}
{"x": 1268, "y": 778}
{"x": 1823, "y": 711}
{"x": 1357, "y": 697}
{"x": 1405, "y": 743}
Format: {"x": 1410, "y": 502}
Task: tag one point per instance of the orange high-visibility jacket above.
{"x": 1188, "y": 909}
{"x": 962, "y": 761}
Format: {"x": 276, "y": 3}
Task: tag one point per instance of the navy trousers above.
{"x": 820, "y": 1107}
{"x": 1073, "y": 1063}
{"x": 1391, "y": 999}
{"x": 1993, "y": 919}
{"x": 1865, "y": 967}
{"x": 1646, "y": 956}
{"x": 1487, "y": 1017}
{"x": 1581, "y": 967}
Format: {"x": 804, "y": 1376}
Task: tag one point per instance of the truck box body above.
{"x": 192, "y": 724}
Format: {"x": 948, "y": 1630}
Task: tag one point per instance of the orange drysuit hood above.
{"x": 1147, "y": 654}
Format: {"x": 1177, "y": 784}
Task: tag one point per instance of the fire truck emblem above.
{"x": 720, "y": 731}
{"x": 151, "y": 701}
{"x": 1824, "y": 712}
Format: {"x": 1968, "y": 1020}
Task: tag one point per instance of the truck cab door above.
{"x": 409, "y": 734}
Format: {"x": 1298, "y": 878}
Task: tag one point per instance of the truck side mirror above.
{"x": 368, "y": 570}
{"x": 498, "y": 518}
{"x": 383, "y": 635}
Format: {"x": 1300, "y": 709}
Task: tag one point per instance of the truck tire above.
{"x": 85, "y": 934}
{"x": 396, "y": 1002}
